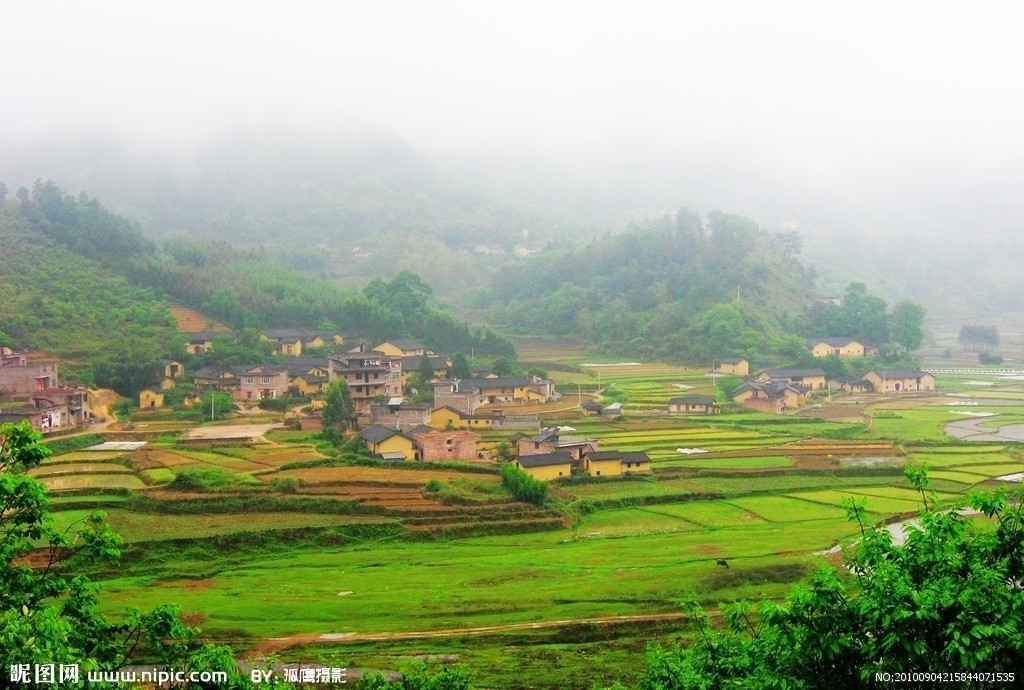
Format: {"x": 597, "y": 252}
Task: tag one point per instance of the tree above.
{"x": 974, "y": 335}
{"x": 460, "y": 367}
{"x": 339, "y": 409}
{"x": 3, "y": 193}
{"x": 503, "y": 366}
{"x": 47, "y": 612}
{"x": 947, "y": 600}
{"x": 906, "y": 325}
{"x": 864, "y": 315}
{"x": 426, "y": 370}
{"x": 128, "y": 366}
{"x": 216, "y": 405}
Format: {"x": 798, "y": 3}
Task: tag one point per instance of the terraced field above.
{"x": 344, "y": 547}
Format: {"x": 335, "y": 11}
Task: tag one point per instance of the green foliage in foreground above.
{"x": 47, "y": 614}
{"x": 948, "y": 600}
{"x": 417, "y": 678}
{"x": 523, "y": 486}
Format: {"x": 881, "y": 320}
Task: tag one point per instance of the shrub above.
{"x": 523, "y": 486}
{"x": 207, "y": 479}
{"x": 73, "y": 443}
{"x": 986, "y": 357}
{"x": 287, "y": 485}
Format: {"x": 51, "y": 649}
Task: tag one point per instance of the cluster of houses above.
{"x": 48, "y": 406}
{"x": 780, "y": 390}
{"x": 552, "y": 455}
{"x": 374, "y": 373}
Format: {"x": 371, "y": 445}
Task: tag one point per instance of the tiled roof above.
{"x": 560, "y": 458}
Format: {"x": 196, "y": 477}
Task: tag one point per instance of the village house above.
{"x": 256, "y": 383}
{"x": 467, "y": 394}
{"x": 307, "y": 376}
{"x": 292, "y": 343}
{"x": 150, "y": 399}
{"x": 551, "y": 441}
{"x": 812, "y": 379}
{"x": 591, "y": 408}
{"x": 439, "y": 366}
{"x": 734, "y": 366}
{"x": 612, "y": 463}
{"x": 18, "y": 377}
{"x": 10, "y": 358}
{"x": 450, "y": 394}
{"x": 399, "y": 414}
{"x": 389, "y": 444}
{"x": 693, "y": 405}
{"x": 900, "y": 380}
{"x": 52, "y": 409}
{"x": 773, "y": 397}
{"x": 307, "y": 385}
{"x": 403, "y": 347}
{"x": 369, "y": 375}
{"x": 286, "y": 343}
{"x": 850, "y": 384}
{"x": 839, "y": 347}
{"x": 201, "y": 341}
{"x": 435, "y": 445}
{"x": 450, "y": 418}
{"x": 223, "y": 379}
{"x": 546, "y": 466}
{"x": 172, "y": 372}
{"x": 420, "y": 443}
{"x": 315, "y": 340}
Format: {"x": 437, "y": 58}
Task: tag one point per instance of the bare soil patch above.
{"x": 380, "y": 475}
{"x": 192, "y": 321}
{"x": 152, "y": 459}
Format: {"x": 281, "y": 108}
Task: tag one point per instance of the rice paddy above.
{"x": 766, "y": 496}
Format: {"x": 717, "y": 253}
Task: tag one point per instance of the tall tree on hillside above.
{"x": 906, "y": 325}
{"x": 460, "y": 367}
{"x": 865, "y": 315}
{"x": 339, "y": 409}
{"x": 128, "y": 366}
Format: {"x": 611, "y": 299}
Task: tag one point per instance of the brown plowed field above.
{"x": 380, "y": 475}
{"x": 152, "y": 459}
{"x": 284, "y": 457}
{"x": 192, "y": 321}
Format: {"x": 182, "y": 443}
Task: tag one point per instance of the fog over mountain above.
{"x": 881, "y": 133}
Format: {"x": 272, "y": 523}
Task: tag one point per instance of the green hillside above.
{"x": 685, "y": 289}
{"x": 66, "y": 303}
{"x": 77, "y": 276}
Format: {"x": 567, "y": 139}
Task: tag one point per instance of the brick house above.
{"x": 369, "y": 375}
{"x": 18, "y": 377}
{"x": 256, "y": 383}
{"x": 444, "y": 445}
{"x": 693, "y": 405}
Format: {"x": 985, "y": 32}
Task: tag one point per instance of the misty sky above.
{"x": 816, "y": 94}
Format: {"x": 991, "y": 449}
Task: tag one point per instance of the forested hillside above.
{"x": 682, "y": 289}
{"x": 76, "y": 276}
{"x": 66, "y": 303}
